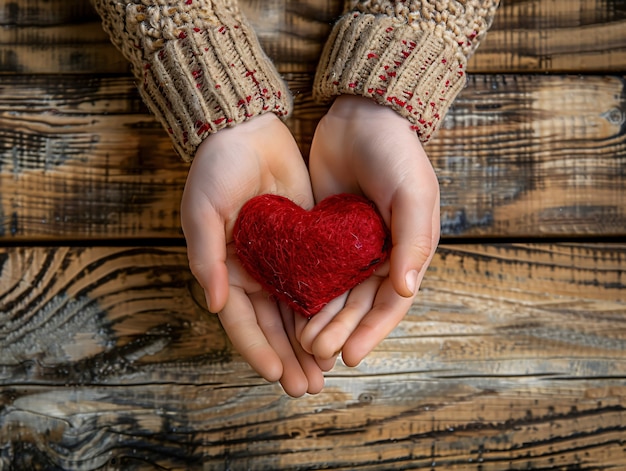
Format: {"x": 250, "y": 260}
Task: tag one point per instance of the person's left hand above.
{"x": 364, "y": 148}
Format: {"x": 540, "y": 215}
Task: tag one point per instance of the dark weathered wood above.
{"x": 530, "y": 155}
{"x": 513, "y": 357}
{"x": 25, "y": 13}
{"x": 50, "y": 36}
{"x": 557, "y": 36}
{"x": 55, "y": 36}
{"x": 80, "y": 157}
{"x": 52, "y": 39}
{"x": 532, "y": 426}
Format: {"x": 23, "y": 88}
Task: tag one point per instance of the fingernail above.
{"x": 411, "y": 281}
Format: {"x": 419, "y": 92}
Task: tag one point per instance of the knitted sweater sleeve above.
{"x": 409, "y": 55}
{"x": 198, "y": 64}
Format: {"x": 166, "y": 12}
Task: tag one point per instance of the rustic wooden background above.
{"x": 512, "y": 357}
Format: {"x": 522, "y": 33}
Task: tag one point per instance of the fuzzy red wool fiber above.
{"x": 307, "y": 258}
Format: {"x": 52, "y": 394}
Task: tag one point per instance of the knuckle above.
{"x": 423, "y": 248}
{"x": 198, "y": 270}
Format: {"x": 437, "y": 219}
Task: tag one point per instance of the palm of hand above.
{"x": 361, "y": 147}
{"x": 230, "y": 167}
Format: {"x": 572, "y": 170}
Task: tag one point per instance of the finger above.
{"x": 240, "y": 323}
{"x": 308, "y": 330}
{"x": 436, "y": 230}
{"x": 327, "y": 364}
{"x": 300, "y": 323}
{"x": 412, "y": 217}
{"x": 206, "y": 251}
{"x": 388, "y": 310}
{"x": 312, "y": 372}
{"x": 330, "y": 341}
{"x": 293, "y": 379}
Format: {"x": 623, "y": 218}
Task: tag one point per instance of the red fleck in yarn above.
{"x": 307, "y": 258}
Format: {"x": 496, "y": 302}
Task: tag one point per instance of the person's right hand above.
{"x": 230, "y": 167}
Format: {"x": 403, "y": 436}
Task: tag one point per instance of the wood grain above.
{"x": 50, "y": 36}
{"x": 556, "y": 36}
{"x": 81, "y": 158}
{"x": 512, "y": 357}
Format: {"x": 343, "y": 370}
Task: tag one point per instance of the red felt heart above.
{"x": 308, "y": 258}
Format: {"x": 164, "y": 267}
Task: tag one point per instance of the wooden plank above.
{"x": 529, "y": 155}
{"x": 49, "y": 36}
{"x": 513, "y": 356}
{"x": 55, "y": 36}
{"x": 85, "y": 155}
{"x": 80, "y": 157}
{"x": 81, "y": 49}
{"x": 556, "y": 36}
{"x": 291, "y": 32}
{"x": 25, "y": 13}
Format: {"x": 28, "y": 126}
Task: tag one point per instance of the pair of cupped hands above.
{"x": 359, "y": 147}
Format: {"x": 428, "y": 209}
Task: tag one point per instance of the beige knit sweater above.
{"x": 201, "y": 68}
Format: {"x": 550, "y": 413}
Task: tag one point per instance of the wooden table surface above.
{"x": 512, "y": 357}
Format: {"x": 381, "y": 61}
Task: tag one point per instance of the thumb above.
{"x": 415, "y": 230}
{"x": 206, "y": 251}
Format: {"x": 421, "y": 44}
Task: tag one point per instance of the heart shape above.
{"x": 307, "y": 258}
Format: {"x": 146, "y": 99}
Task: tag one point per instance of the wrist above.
{"x": 415, "y": 71}
{"x": 357, "y": 107}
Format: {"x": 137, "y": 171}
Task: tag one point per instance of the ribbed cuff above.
{"x": 414, "y": 70}
{"x": 210, "y": 77}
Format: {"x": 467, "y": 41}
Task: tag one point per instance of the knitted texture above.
{"x": 409, "y": 55}
{"x": 308, "y": 258}
{"x": 198, "y": 62}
